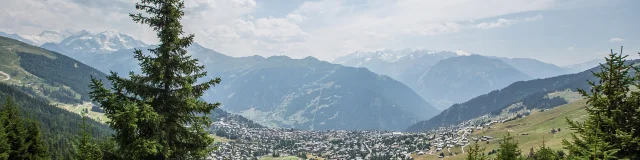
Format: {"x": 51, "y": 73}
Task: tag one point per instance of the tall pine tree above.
{"x": 509, "y": 149}
{"x": 611, "y": 130}
{"x": 157, "y": 114}
{"x": 37, "y": 147}
{"x": 14, "y": 127}
{"x": 5, "y": 148}
{"x": 87, "y": 148}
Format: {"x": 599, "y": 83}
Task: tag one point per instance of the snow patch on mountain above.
{"x": 47, "y": 36}
{"x": 384, "y": 55}
{"x": 462, "y": 53}
{"x": 103, "y": 42}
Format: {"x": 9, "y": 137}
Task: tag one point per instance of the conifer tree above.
{"x": 14, "y": 127}
{"x": 5, "y": 148}
{"x": 157, "y": 114}
{"x": 109, "y": 150}
{"x": 24, "y": 138}
{"x": 509, "y": 149}
{"x": 611, "y": 129}
{"x": 87, "y": 147}
{"x": 545, "y": 153}
{"x": 476, "y": 152}
{"x": 36, "y": 145}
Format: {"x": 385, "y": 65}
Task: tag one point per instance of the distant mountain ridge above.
{"x": 311, "y": 94}
{"x": 575, "y": 68}
{"x": 415, "y": 69}
{"x": 82, "y": 45}
{"x": 294, "y": 93}
{"x": 459, "y": 79}
{"x": 46, "y": 36}
{"x": 500, "y": 99}
{"x": 40, "y": 67}
{"x": 535, "y": 68}
{"x": 392, "y": 62}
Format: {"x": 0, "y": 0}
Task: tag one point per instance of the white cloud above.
{"x": 338, "y": 27}
{"x": 534, "y": 18}
{"x": 32, "y": 16}
{"x": 295, "y": 17}
{"x": 497, "y": 24}
{"x": 571, "y": 48}
{"x": 506, "y": 22}
{"x": 616, "y": 40}
{"x": 324, "y": 28}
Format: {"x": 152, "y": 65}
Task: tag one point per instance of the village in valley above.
{"x": 235, "y": 140}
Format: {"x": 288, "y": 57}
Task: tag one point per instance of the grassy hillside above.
{"x": 62, "y": 81}
{"x": 536, "y": 126}
{"x": 522, "y": 91}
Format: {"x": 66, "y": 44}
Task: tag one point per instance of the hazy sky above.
{"x": 556, "y": 31}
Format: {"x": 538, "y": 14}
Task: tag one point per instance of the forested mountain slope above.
{"x": 57, "y": 77}
{"x": 59, "y": 126}
{"x": 299, "y": 93}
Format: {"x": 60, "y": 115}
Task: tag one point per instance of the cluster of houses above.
{"x": 253, "y": 143}
{"x": 242, "y": 142}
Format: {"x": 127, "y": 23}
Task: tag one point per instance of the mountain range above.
{"x": 299, "y": 93}
{"x": 386, "y": 89}
{"x": 57, "y": 79}
{"x": 444, "y": 78}
{"x": 282, "y": 92}
{"x": 459, "y": 79}
{"x": 536, "y": 91}
{"x": 46, "y": 36}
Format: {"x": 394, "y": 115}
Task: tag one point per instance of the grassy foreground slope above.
{"x": 536, "y": 127}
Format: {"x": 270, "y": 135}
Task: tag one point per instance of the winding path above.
{"x": 6, "y": 75}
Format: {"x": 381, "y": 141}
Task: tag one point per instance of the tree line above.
{"x": 59, "y": 127}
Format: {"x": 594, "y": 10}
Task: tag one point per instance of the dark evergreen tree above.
{"x": 5, "y": 148}
{"x": 58, "y": 126}
{"x": 611, "y": 129}
{"x": 108, "y": 147}
{"x": 532, "y": 154}
{"x": 36, "y": 145}
{"x": 14, "y": 127}
{"x": 476, "y": 152}
{"x": 545, "y": 153}
{"x": 23, "y": 135}
{"x": 157, "y": 114}
{"x": 87, "y": 149}
{"x": 509, "y": 149}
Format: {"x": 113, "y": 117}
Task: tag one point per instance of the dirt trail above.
{"x": 6, "y": 75}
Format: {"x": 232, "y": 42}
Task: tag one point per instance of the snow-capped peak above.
{"x": 386, "y": 55}
{"x": 47, "y": 36}
{"x": 103, "y": 42}
{"x": 462, "y": 53}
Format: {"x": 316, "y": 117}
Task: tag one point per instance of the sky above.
{"x": 561, "y": 32}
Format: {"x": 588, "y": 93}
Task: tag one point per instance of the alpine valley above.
{"x": 386, "y": 89}
{"x": 425, "y": 93}
{"x": 275, "y": 91}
